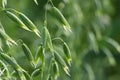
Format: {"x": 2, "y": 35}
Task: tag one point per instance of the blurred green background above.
{"x": 93, "y": 41}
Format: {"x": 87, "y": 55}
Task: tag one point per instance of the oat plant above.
{"x": 46, "y": 61}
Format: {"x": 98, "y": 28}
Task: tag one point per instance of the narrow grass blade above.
{"x": 93, "y": 42}
{"x": 90, "y": 72}
{"x": 97, "y": 31}
{"x": 109, "y": 55}
{"x": 114, "y": 43}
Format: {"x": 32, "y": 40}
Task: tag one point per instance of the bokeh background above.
{"x": 94, "y": 40}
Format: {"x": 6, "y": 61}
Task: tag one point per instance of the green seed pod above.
{"x": 46, "y": 39}
{"x": 55, "y": 70}
{"x": 9, "y": 40}
{"x": 3, "y": 34}
{"x": 40, "y": 55}
{"x": 14, "y": 64}
{"x": 4, "y": 3}
{"x": 36, "y": 72}
{"x": 57, "y": 14}
{"x": 28, "y": 53}
{"x": 36, "y": 2}
{"x": 13, "y": 17}
{"x": 60, "y": 60}
{"x": 10, "y": 61}
{"x": 67, "y": 53}
{"x": 6, "y": 37}
{"x": 28, "y": 23}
